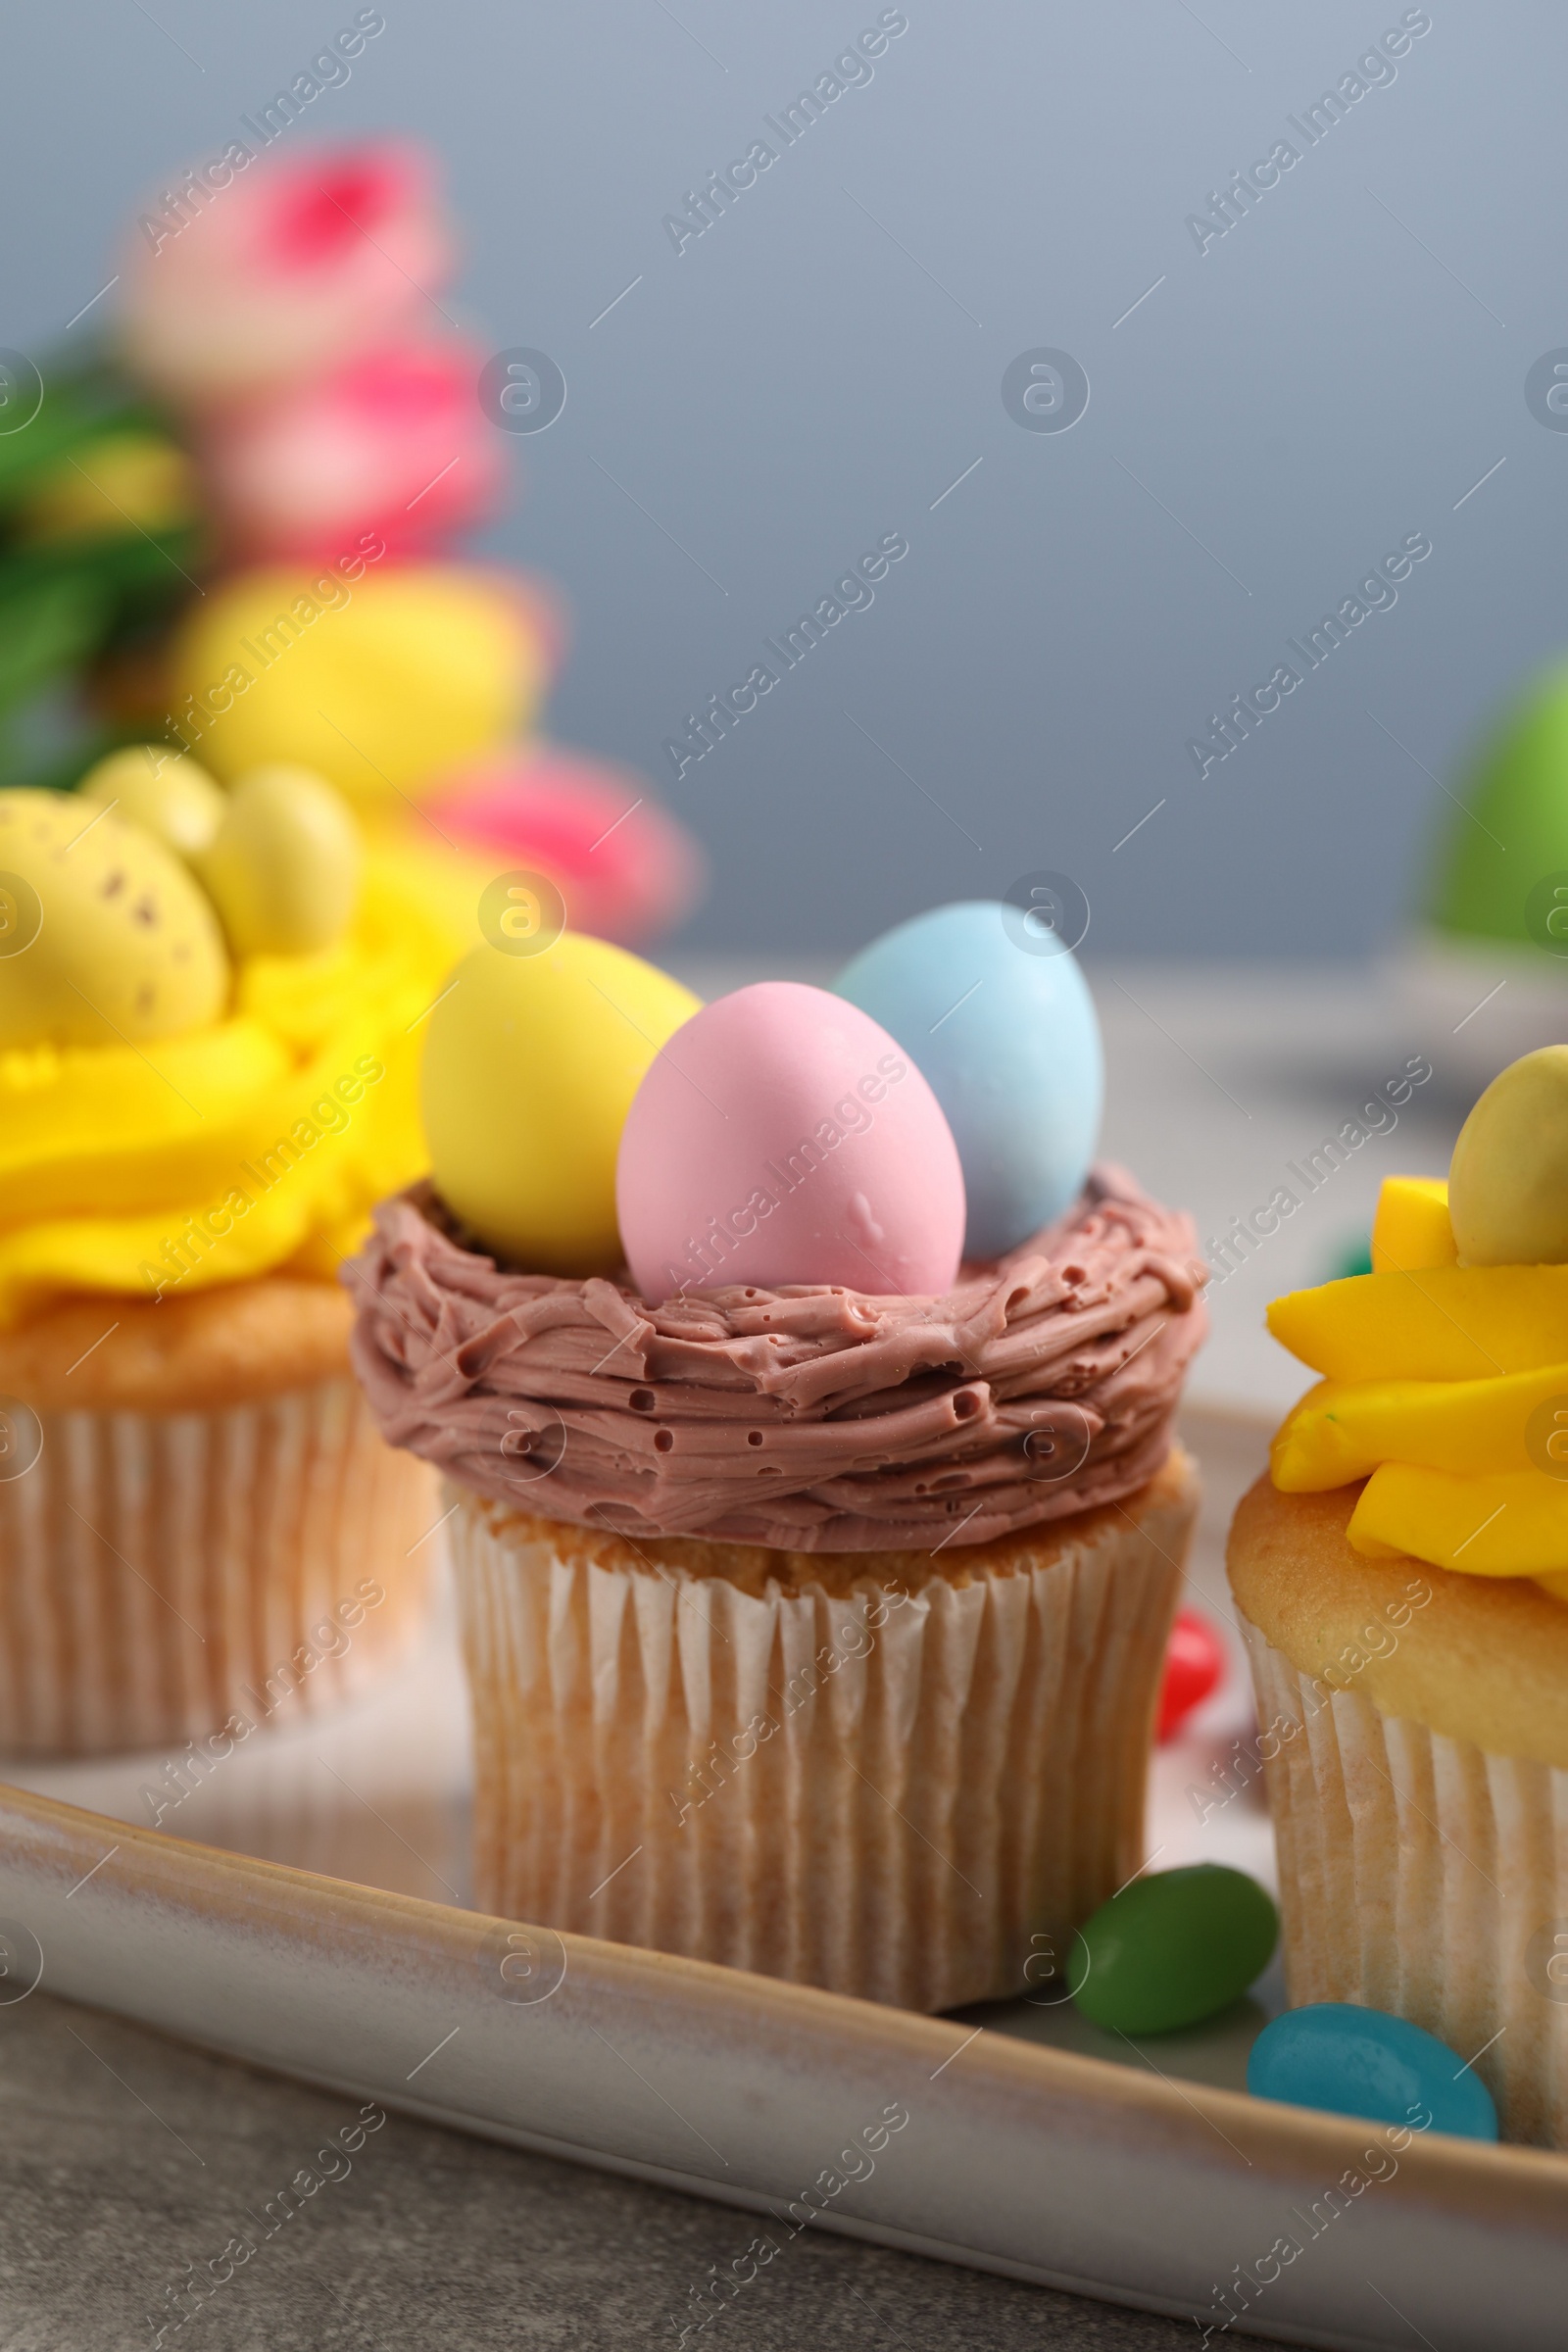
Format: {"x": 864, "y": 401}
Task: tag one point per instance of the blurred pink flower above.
{"x": 395, "y": 442}
{"x": 626, "y": 869}
{"x": 281, "y": 269}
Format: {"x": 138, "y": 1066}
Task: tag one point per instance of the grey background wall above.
{"x": 1332, "y": 375}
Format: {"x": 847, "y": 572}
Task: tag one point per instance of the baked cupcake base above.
{"x": 198, "y": 1521}
{"x": 1423, "y": 1848}
{"x": 899, "y": 1775}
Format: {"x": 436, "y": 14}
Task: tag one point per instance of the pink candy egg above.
{"x": 782, "y": 1137}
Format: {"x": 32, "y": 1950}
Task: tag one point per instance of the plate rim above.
{"x": 164, "y": 1894}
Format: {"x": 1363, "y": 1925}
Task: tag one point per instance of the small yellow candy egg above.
{"x": 529, "y": 1070}
{"x": 104, "y": 936}
{"x": 283, "y": 868}
{"x": 165, "y": 790}
{"x": 1508, "y": 1179}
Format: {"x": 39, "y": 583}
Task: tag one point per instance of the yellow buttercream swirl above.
{"x": 258, "y": 1143}
{"x": 1446, "y": 1389}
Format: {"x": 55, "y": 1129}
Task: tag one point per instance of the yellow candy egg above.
{"x": 529, "y": 1070}
{"x": 283, "y": 868}
{"x": 1508, "y": 1180}
{"x": 164, "y": 791}
{"x": 104, "y": 936}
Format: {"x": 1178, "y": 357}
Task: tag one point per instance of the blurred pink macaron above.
{"x": 626, "y": 869}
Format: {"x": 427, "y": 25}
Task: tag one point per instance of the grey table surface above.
{"x": 124, "y": 2157}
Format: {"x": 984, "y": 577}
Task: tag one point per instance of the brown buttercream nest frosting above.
{"x": 812, "y": 1417}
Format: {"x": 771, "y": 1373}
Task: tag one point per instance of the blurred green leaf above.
{"x": 45, "y": 629}
{"x": 75, "y": 411}
{"x": 65, "y": 604}
{"x": 121, "y": 561}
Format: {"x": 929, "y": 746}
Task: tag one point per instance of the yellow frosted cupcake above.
{"x": 1401, "y": 1577}
{"x": 206, "y": 1078}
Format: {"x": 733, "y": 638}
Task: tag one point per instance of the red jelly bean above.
{"x": 1195, "y": 1665}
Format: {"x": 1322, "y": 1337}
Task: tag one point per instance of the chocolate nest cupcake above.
{"x": 811, "y": 1631}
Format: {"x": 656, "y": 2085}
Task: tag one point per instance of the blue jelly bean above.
{"x": 1352, "y": 2061}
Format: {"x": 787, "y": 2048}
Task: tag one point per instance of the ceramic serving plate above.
{"x": 302, "y": 1906}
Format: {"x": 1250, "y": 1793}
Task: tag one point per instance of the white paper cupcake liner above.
{"x": 1426, "y": 1877}
{"x": 160, "y": 1572}
{"x": 905, "y": 1799}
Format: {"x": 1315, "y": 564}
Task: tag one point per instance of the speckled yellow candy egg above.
{"x": 163, "y": 791}
{"x": 1509, "y": 1183}
{"x": 283, "y": 868}
{"x": 104, "y": 936}
{"x": 529, "y": 1070}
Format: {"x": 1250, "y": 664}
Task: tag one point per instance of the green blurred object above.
{"x": 77, "y": 585}
{"x": 94, "y": 399}
{"x": 131, "y": 477}
{"x": 45, "y": 626}
{"x": 1355, "y": 1257}
{"x": 1516, "y": 793}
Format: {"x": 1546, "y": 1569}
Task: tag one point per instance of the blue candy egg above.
{"x": 1355, "y": 2061}
{"x": 1002, "y": 1026}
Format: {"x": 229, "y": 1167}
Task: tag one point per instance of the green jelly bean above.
{"x": 1171, "y": 1948}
